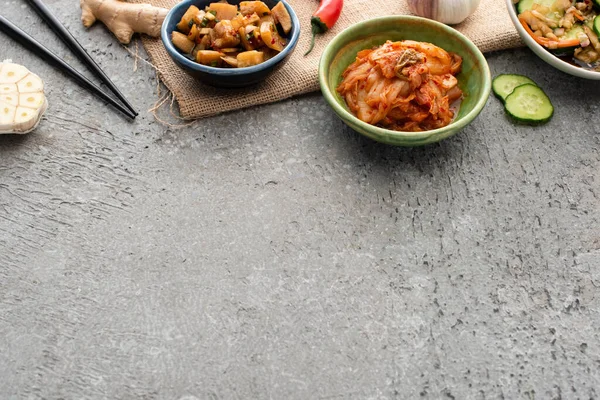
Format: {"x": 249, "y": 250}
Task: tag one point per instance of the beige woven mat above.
{"x": 489, "y": 28}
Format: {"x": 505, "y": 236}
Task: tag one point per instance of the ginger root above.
{"x": 123, "y": 19}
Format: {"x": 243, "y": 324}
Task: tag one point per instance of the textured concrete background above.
{"x": 274, "y": 253}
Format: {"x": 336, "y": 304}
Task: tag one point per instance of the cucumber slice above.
{"x": 573, "y": 33}
{"x": 597, "y": 24}
{"x": 504, "y": 84}
{"x": 525, "y": 5}
{"x": 528, "y": 103}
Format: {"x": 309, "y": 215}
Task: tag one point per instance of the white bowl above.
{"x": 545, "y": 54}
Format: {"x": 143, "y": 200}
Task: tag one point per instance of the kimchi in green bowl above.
{"x": 474, "y": 78}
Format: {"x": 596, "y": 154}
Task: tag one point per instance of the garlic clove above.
{"x": 31, "y": 100}
{"x": 7, "y": 116}
{"x": 12, "y": 73}
{"x": 10, "y": 99}
{"x": 445, "y": 11}
{"x": 31, "y": 83}
{"x": 8, "y": 88}
{"x": 26, "y": 116}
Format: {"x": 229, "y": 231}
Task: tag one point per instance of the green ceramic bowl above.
{"x": 474, "y": 80}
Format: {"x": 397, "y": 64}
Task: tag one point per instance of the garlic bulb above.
{"x": 445, "y": 11}
{"x": 22, "y": 100}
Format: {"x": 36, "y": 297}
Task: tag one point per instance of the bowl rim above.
{"x": 346, "y": 115}
{"x": 543, "y": 53}
{"x": 173, "y": 52}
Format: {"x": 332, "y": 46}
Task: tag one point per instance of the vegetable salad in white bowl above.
{"x": 563, "y": 33}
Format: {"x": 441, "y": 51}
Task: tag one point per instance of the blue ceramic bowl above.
{"x": 226, "y": 77}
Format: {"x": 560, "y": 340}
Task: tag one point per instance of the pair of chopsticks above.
{"x": 37, "y": 48}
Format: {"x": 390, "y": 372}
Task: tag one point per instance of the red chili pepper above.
{"x": 324, "y": 18}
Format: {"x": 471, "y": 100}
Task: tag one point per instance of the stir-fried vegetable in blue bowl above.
{"x": 564, "y": 33}
{"x": 230, "y": 44}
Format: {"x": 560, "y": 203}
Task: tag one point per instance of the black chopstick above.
{"x": 66, "y": 36}
{"x": 39, "y": 50}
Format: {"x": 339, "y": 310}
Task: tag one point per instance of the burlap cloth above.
{"x": 489, "y": 28}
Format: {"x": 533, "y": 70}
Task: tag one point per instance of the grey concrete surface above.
{"x": 272, "y": 253}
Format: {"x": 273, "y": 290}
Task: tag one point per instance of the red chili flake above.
{"x": 272, "y": 41}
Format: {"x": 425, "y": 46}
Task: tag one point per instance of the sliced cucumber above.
{"x": 597, "y": 24}
{"x": 525, "y": 5}
{"x": 528, "y": 103}
{"x": 504, "y": 84}
{"x": 573, "y": 33}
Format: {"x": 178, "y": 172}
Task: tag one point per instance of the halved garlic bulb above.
{"x": 445, "y": 11}
{"x": 22, "y": 99}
